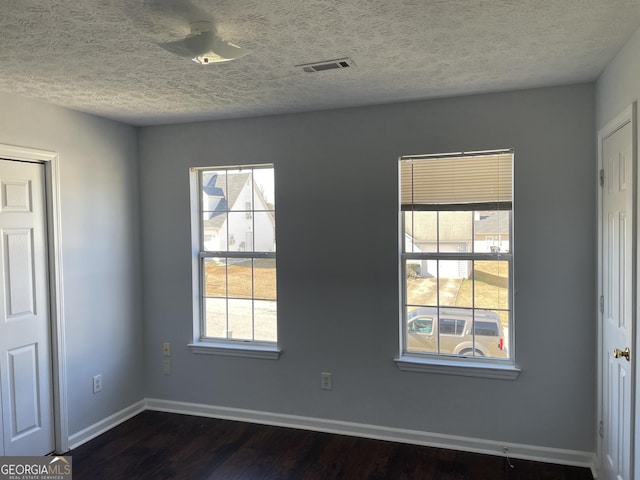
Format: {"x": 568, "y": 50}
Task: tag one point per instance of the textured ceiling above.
{"x": 100, "y": 56}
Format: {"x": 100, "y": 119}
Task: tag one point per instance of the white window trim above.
{"x": 250, "y": 350}
{"x": 462, "y": 367}
{"x": 505, "y": 369}
{"x": 232, "y": 348}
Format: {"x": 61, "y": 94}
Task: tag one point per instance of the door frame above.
{"x": 50, "y": 161}
{"x": 628, "y": 115}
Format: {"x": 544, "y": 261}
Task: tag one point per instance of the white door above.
{"x": 618, "y": 292}
{"x": 25, "y": 347}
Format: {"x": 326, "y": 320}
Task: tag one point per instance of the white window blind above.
{"x": 460, "y": 181}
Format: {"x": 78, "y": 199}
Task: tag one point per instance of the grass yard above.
{"x": 241, "y": 280}
{"x": 491, "y": 286}
{"x": 249, "y": 313}
{"x": 488, "y": 287}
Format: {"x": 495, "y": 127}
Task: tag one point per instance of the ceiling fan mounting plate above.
{"x": 200, "y": 27}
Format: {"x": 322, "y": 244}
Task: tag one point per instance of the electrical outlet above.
{"x": 166, "y": 349}
{"x": 97, "y": 383}
{"x": 166, "y": 367}
{"x": 325, "y": 381}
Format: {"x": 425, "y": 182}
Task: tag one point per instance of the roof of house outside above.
{"x": 226, "y": 186}
{"x": 493, "y": 222}
{"x": 215, "y": 186}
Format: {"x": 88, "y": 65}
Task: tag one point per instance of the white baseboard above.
{"x": 106, "y": 424}
{"x": 415, "y": 437}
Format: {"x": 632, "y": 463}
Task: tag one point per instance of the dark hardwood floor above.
{"x": 156, "y": 445}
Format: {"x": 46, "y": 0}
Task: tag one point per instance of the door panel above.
{"x": 617, "y": 288}
{"x": 25, "y": 352}
{"x": 23, "y": 390}
{"x": 18, "y": 274}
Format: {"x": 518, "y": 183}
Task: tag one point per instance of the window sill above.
{"x": 458, "y": 367}
{"x": 267, "y": 352}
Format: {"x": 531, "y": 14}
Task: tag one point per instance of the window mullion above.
{"x": 253, "y": 249}
{"x": 253, "y": 299}
{"x": 248, "y": 255}
{"x": 226, "y": 273}
{"x": 437, "y": 319}
{"x": 473, "y": 284}
{"x": 458, "y": 256}
{"x": 203, "y": 299}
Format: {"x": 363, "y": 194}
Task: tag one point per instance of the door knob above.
{"x": 626, "y": 353}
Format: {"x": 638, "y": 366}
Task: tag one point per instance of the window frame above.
{"x": 202, "y": 344}
{"x": 433, "y": 362}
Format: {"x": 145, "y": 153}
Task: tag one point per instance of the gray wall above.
{"x": 616, "y": 89}
{"x": 100, "y": 243}
{"x": 619, "y": 84}
{"x": 336, "y": 204}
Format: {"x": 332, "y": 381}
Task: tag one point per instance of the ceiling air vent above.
{"x": 327, "y": 65}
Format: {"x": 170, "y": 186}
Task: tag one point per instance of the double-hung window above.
{"x": 456, "y": 216}
{"x": 234, "y": 258}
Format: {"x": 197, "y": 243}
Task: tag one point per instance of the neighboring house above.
{"x": 491, "y": 231}
{"x": 236, "y": 215}
{"x": 485, "y": 231}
